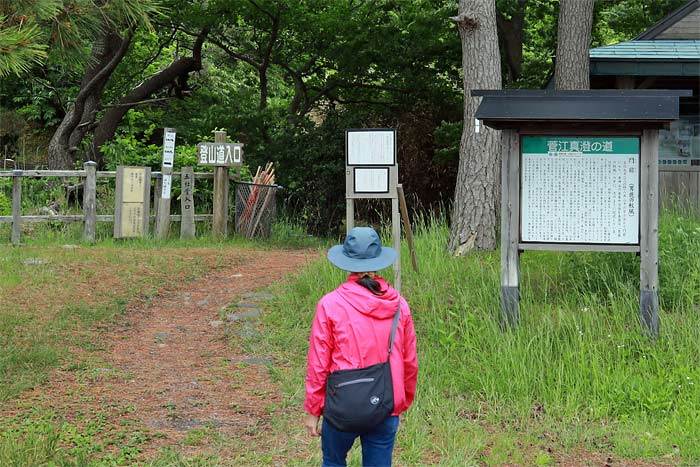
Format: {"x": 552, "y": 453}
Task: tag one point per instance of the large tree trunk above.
{"x": 510, "y": 34}
{"x": 475, "y": 208}
{"x": 571, "y": 70}
{"x": 177, "y": 70}
{"x": 106, "y": 55}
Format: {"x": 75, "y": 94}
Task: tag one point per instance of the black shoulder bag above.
{"x": 357, "y": 400}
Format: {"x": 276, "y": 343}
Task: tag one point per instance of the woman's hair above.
{"x": 367, "y": 281}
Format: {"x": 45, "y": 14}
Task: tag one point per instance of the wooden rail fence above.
{"x": 89, "y": 217}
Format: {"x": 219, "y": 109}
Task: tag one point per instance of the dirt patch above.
{"x": 169, "y": 365}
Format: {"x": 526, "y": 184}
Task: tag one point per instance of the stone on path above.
{"x": 161, "y": 336}
{"x": 216, "y": 324}
{"x": 258, "y": 296}
{"x": 34, "y": 261}
{"x": 243, "y": 315}
{"x": 253, "y": 360}
{"x": 248, "y": 305}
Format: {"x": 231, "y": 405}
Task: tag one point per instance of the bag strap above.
{"x": 393, "y": 328}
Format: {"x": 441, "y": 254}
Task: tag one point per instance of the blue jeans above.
{"x": 377, "y": 444}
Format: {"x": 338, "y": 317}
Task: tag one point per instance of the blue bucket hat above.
{"x": 362, "y": 252}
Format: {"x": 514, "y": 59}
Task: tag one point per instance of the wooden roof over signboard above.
{"x": 502, "y": 109}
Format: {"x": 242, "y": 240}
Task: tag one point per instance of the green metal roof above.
{"x": 647, "y": 58}
{"x": 645, "y": 50}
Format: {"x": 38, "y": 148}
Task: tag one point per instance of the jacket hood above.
{"x": 364, "y": 301}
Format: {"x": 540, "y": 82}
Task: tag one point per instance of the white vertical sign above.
{"x": 168, "y": 158}
{"x": 167, "y": 186}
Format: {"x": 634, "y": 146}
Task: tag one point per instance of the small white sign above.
{"x": 220, "y": 154}
{"x": 371, "y": 180}
{"x": 371, "y": 147}
{"x": 167, "y": 186}
{"x": 168, "y": 147}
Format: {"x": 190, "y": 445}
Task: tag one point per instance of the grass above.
{"x": 576, "y": 377}
{"x": 577, "y": 373}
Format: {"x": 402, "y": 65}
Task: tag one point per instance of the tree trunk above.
{"x": 475, "y": 208}
{"x": 106, "y": 55}
{"x": 179, "y": 69}
{"x": 571, "y": 69}
{"x": 510, "y": 34}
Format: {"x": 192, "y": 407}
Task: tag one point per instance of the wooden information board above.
{"x": 580, "y": 190}
{"x": 131, "y": 214}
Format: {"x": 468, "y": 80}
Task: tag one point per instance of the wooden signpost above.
{"x": 187, "y": 224}
{"x": 579, "y": 173}
{"x": 222, "y": 155}
{"x": 132, "y": 202}
{"x": 163, "y": 209}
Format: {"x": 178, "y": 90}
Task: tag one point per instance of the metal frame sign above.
{"x": 220, "y": 154}
{"x": 580, "y": 190}
{"x": 370, "y": 163}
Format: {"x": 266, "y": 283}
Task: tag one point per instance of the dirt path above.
{"x": 170, "y": 366}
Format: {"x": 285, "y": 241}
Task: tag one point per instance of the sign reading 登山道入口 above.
{"x": 220, "y": 154}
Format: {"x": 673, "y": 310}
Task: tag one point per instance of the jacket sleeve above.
{"x": 318, "y": 362}
{"x": 410, "y": 363}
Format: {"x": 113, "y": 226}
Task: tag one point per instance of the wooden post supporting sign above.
{"x": 187, "y": 224}
{"x": 221, "y": 155}
{"x": 220, "y": 222}
{"x": 163, "y": 209}
{"x": 649, "y": 238}
{"x": 510, "y": 256}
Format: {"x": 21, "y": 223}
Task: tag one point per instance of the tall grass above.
{"x": 578, "y": 365}
{"x": 578, "y": 373}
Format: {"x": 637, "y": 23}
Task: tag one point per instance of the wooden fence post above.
{"x": 16, "y": 205}
{"x": 220, "y": 221}
{"x": 90, "y": 201}
{"x": 187, "y": 225}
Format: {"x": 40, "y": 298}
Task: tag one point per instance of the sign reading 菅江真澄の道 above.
{"x": 220, "y": 154}
{"x": 578, "y": 189}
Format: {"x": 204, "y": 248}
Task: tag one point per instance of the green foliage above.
{"x": 621, "y": 20}
{"x": 5, "y": 205}
{"x": 31, "y": 32}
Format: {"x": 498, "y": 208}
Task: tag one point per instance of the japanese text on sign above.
{"x": 580, "y": 190}
{"x": 220, "y": 154}
{"x": 168, "y": 147}
{"x": 134, "y": 185}
{"x": 371, "y": 147}
{"x": 187, "y": 186}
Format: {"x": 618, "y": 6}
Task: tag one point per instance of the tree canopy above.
{"x": 286, "y": 77}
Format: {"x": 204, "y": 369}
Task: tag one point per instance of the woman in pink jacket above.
{"x": 351, "y": 329}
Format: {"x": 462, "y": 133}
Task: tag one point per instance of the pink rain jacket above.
{"x": 351, "y": 330}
